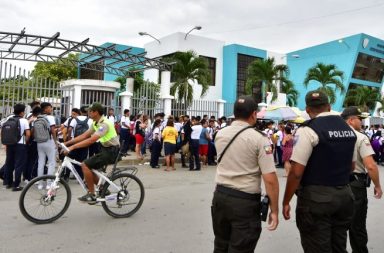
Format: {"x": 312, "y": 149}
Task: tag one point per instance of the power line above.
{"x": 301, "y": 20}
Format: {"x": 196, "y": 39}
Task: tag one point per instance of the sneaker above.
{"x": 17, "y": 189}
{"x": 89, "y": 198}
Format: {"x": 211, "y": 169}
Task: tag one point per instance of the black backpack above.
{"x": 10, "y": 131}
{"x": 81, "y": 126}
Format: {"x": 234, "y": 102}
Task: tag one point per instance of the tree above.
{"x": 57, "y": 70}
{"x": 137, "y": 83}
{"x": 263, "y": 76}
{"x": 363, "y": 97}
{"x": 188, "y": 68}
{"x": 329, "y": 78}
{"x": 291, "y": 92}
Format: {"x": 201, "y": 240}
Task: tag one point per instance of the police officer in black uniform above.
{"x": 322, "y": 160}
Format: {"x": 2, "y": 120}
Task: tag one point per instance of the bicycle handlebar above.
{"x": 63, "y": 146}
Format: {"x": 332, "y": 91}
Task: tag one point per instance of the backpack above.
{"x": 10, "y": 131}
{"x": 41, "y": 129}
{"x": 148, "y": 138}
{"x": 81, "y": 126}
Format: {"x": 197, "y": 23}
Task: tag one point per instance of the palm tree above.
{"x": 291, "y": 92}
{"x": 263, "y": 75}
{"x": 380, "y": 108}
{"x": 329, "y": 77}
{"x": 137, "y": 83}
{"x": 363, "y": 97}
{"x": 188, "y": 68}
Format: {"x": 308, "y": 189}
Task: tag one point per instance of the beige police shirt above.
{"x": 305, "y": 139}
{"x": 364, "y": 149}
{"x": 248, "y": 157}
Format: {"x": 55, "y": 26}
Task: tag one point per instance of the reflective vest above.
{"x": 111, "y": 130}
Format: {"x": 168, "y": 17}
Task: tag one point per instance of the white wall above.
{"x": 201, "y": 45}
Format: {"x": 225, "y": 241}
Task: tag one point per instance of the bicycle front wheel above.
{"x": 41, "y": 203}
{"x": 125, "y": 201}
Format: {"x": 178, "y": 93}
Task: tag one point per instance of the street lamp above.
{"x": 194, "y": 28}
{"x": 147, "y": 34}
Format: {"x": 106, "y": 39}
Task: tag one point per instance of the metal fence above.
{"x": 17, "y": 86}
{"x": 146, "y": 100}
{"x": 197, "y": 108}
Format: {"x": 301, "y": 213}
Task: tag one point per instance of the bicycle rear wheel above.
{"x": 123, "y": 202}
{"x": 41, "y": 204}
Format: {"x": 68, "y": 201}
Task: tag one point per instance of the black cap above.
{"x": 96, "y": 107}
{"x": 353, "y": 111}
{"x": 315, "y": 98}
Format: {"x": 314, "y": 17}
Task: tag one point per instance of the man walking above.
{"x": 359, "y": 181}
{"x": 322, "y": 161}
{"x": 245, "y": 157}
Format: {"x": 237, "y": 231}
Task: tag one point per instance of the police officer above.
{"x": 101, "y": 130}
{"x": 322, "y": 159}
{"x": 359, "y": 181}
{"x": 244, "y": 157}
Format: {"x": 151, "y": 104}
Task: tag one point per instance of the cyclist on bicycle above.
{"x": 104, "y": 131}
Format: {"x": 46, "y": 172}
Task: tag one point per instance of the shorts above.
{"x": 105, "y": 157}
{"x": 203, "y": 149}
{"x": 169, "y": 148}
{"x": 139, "y": 139}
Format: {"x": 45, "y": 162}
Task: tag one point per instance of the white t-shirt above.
{"x": 196, "y": 132}
{"x": 51, "y": 120}
{"x": 111, "y": 118}
{"x": 24, "y": 125}
{"x": 178, "y": 126}
{"x": 269, "y": 133}
{"x": 156, "y": 131}
{"x": 224, "y": 124}
{"x": 280, "y": 140}
{"x": 125, "y": 120}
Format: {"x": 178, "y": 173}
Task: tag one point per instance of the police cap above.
{"x": 315, "y": 98}
{"x": 353, "y": 111}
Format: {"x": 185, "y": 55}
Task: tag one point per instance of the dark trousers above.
{"x": 236, "y": 223}
{"x": 16, "y": 160}
{"x": 94, "y": 149}
{"x": 33, "y": 157}
{"x": 211, "y": 152}
{"x": 155, "y": 153}
{"x": 279, "y": 154}
{"x": 358, "y": 236}
{"x": 323, "y": 216}
{"x": 194, "y": 154}
{"x": 124, "y": 139}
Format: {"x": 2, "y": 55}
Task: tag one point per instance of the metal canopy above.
{"x": 31, "y": 48}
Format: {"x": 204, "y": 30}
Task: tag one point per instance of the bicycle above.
{"x": 115, "y": 191}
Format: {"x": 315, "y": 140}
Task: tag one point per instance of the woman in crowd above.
{"x": 169, "y": 139}
{"x": 156, "y": 144}
{"x": 287, "y": 148}
{"x": 139, "y": 135}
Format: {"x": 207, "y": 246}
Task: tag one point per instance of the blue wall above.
{"x": 341, "y": 53}
{"x": 108, "y": 76}
{"x": 230, "y": 53}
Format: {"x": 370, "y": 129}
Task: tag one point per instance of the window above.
{"x": 369, "y": 68}
{"x": 243, "y": 61}
{"x": 211, "y": 68}
{"x": 87, "y": 71}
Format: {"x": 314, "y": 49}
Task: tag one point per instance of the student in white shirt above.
{"x": 16, "y": 155}
{"x": 156, "y": 144}
{"x": 111, "y": 115}
{"x": 124, "y": 131}
{"x": 47, "y": 149}
{"x": 194, "y": 158}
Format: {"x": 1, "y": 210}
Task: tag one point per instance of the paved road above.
{"x": 175, "y": 217}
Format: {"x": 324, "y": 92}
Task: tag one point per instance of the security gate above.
{"x": 18, "y": 86}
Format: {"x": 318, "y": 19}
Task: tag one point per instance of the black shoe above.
{"x": 17, "y": 189}
{"x": 212, "y": 164}
{"x": 197, "y": 169}
{"x": 184, "y": 167}
{"x": 155, "y": 167}
{"x": 89, "y": 198}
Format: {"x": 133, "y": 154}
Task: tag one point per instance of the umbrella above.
{"x": 277, "y": 113}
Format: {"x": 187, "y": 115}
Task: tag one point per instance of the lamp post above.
{"x": 194, "y": 28}
{"x": 147, "y": 34}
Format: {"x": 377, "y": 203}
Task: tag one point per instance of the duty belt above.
{"x": 357, "y": 177}
{"x": 236, "y": 193}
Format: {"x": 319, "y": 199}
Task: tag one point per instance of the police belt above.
{"x": 361, "y": 177}
{"x": 236, "y": 193}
